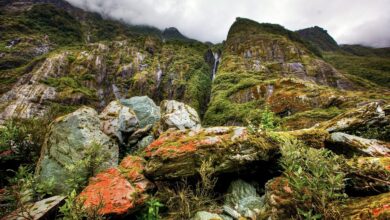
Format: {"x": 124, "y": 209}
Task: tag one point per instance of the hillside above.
{"x": 100, "y": 119}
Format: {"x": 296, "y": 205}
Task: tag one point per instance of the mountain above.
{"x": 319, "y": 37}
{"x": 129, "y": 121}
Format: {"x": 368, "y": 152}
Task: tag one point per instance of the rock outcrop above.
{"x": 68, "y": 141}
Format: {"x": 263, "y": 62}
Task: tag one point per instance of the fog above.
{"x": 364, "y": 22}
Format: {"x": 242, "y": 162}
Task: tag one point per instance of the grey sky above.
{"x": 348, "y": 21}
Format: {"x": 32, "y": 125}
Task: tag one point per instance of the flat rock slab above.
{"x": 37, "y": 211}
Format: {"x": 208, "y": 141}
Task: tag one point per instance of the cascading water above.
{"x": 158, "y": 76}
{"x": 216, "y": 62}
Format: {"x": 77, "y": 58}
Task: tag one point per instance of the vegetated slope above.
{"x": 318, "y": 37}
{"x": 267, "y": 65}
{"x": 84, "y": 59}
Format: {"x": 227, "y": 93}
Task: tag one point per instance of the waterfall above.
{"x": 216, "y": 62}
{"x": 158, "y": 76}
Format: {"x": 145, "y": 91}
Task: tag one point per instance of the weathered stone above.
{"x": 277, "y": 199}
{"x": 145, "y": 142}
{"x": 370, "y": 114}
{"x": 368, "y": 147}
{"x": 146, "y": 110}
{"x": 118, "y": 191}
{"x": 178, "y": 115}
{"x": 44, "y": 209}
{"x": 202, "y": 215}
{"x": 243, "y": 197}
{"x": 66, "y": 143}
{"x": 178, "y": 154}
{"x": 117, "y": 120}
{"x": 372, "y": 207}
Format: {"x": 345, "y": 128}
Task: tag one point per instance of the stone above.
{"x": 119, "y": 191}
{"x": 67, "y": 142}
{"x": 177, "y": 154}
{"x": 243, "y": 198}
{"x": 44, "y": 209}
{"x": 355, "y": 144}
{"x": 203, "y": 215}
{"x": 146, "y": 110}
{"x": 178, "y": 115}
{"x": 117, "y": 120}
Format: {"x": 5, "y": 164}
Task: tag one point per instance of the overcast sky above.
{"x": 348, "y": 21}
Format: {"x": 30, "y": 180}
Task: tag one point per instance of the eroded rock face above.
{"x": 119, "y": 190}
{"x": 67, "y": 142}
{"x": 178, "y": 115}
{"x": 177, "y": 154}
{"x": 116, "y": 120}
{"x": 29, "y": 95}
{"x": 146, "y": 110}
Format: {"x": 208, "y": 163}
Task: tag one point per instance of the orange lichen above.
{"x": 380, "y": 210}
{"x": 112, "y": 190}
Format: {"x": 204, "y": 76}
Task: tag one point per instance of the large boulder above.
{"x": 117, "y": 120}
{"x": 69, "y": 139}
{"x": 118, "y": 191}
{"x": 178, "y": 115}
{"x": 177, "y": 154}
{"x": 146, "y": 110}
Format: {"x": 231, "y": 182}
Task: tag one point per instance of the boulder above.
{"x": 372, "y": 207}
{"x": 243, "y": 198}
{"x": 177, "y": 154}
{"x": 146, "y": 110}
{"x": 354, "y": 144}
{"x": 116, "y": 120}
{"x": 44, "y": 209}
{"x": 178, "y": 115}
{"x": 118, "y": 191}
{"x": 69, "y": 139}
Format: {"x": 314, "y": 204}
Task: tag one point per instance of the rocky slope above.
{"x": 127, "y": 118}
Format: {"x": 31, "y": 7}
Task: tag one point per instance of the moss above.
{"x": 68, "y": 86}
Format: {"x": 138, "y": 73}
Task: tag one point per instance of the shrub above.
{"x": 184, "y": 200}
{"x": 151, "y": 211}
{"x": 73, "y": 209}
{"x": 315, "y": 177}
{"x": 82, "y": 170}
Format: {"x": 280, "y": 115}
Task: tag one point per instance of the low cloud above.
{"x": 349, "y": 22}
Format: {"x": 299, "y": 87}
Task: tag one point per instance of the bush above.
{"x": 151, "y": 211}
{"x": 184, "y": 200}
{"x": 316, "y": 180}
{"x": 73, "y": 209}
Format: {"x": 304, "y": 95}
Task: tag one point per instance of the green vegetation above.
{"x": 69, "y": 86}
{"x": 248, "y": 26}
{"x": 372, "y": 68}
{"x": 319, "y": 38}
{"x": 73, "y": 209}
{"x": 316, "y": 179}
{"x": 152, "y": 209}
